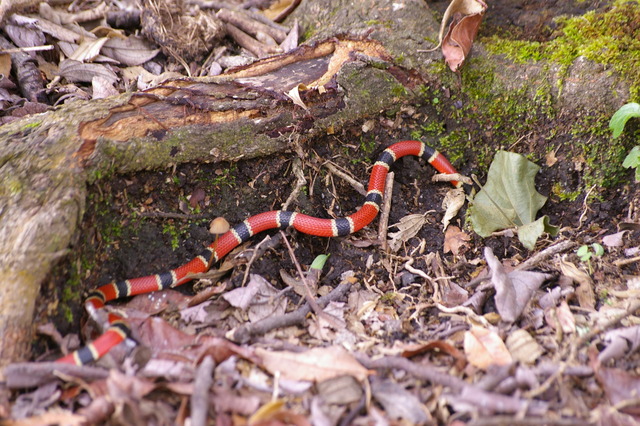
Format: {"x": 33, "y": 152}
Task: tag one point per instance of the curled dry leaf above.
{"x": 452, "y": 203}
{"x": 75, "y": 71}
{"x": 400, "y": 403}
{"x": 614, "y": 240}
{"x": 484, "y": 348}
{"x": 466, "y": 17}
{"x": 88, "y": 49}
{"x": 584, "y": 292}
{"x": 294, "y": 94}
{"x": 316, "y": 364}
{"x": 131, "y": 51}
{"x": 257, "y": 298}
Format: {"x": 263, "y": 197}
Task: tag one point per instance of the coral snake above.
{"x": 118, "y": 329}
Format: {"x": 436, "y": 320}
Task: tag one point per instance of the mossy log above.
{"x": 361, "y": 53}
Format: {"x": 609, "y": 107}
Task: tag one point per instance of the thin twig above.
{"x": 385, "y": 209}
{"x": 559, "y": 247}
{"x": 354, "y": 183}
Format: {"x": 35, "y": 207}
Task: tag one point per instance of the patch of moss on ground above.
{"x": 603, "y": 155}
{"x": 610, "y": 38}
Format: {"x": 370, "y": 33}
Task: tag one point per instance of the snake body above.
{"x": 119, "y": 330}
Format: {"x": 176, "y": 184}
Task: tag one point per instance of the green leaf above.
{"x": 509, "y": 199}
{"x": 583, "y": 253}
{"x": 528, "y": 234}
{"x": 621, "y": 116}
{"x": 598, "y": 249}
{"x": 319, "y": 261}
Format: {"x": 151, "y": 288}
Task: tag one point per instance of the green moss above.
{"x": 558, "y": 191}
{"x": 610, "y": 38}
{"x": 30, "y": 126}
{"x": 454, "y": 144}
{"x": 367, "y": 144}
{"x": 603, "y": 155}
{"x": 169, "y": 228}
{"x": 399, "y": 90}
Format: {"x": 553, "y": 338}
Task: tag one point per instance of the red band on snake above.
{"x": 118, "y": 329}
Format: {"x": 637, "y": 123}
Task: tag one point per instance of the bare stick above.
{"x": 383, "y": 225}
{"x": 559, "y": 247}
{"x": 354, "y": 183}
{"x": 249, "y": 25}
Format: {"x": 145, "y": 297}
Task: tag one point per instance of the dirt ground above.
{"x": 143, "y": 224}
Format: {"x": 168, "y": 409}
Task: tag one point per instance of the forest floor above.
{"x": 409, "y": 334}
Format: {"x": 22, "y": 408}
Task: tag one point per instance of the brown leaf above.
{"x": 5, "y": 64}
{"x": 408, "y": 227}
{"x": 316, "y": 364}
{"x": 197, "y": 198}
{"x": 399, "y": 403}
{"x": 513, "y": 290}
{"x": 523, "y": 347}
{"x": 484, "y": 347}
{"x": 75, "y": 71}
{"x": 620, "y": 342}
{"x": 584, "y": 292}
{"x": 455, "y": 240}
{"x": 456, "y": 44}
{"x": 452, "y": 203}
{"x": 619, "y": 386}
{"x": 131, "y": 51}
{"x": 258, "y": 298}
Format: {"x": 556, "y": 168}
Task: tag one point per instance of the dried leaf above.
{"x": 513, "y": 290}
{"x": 452, "y": 203}
{"x": 280, "y": 9}
{"x": 340, "y": 390}
{"x": 131, "y": 51}
{"x": 462, "y": 7}
{"x": 484, "y": 348}
{"x": 408, "y": 227}
{"x": 523, "y": 347}
{"x": 455, "y": 240}
{"x": 257, "y": 298}
{"x": 614, "y": 240}
{"x": 24, "y": 32}
{"x": 457, "y": 43}
{"x": 102, "y": 88}
{"x": 619, "y": 385}
{"x": 584, "y": 292}
{"x": 550, "y": 159}
{"x": 316, "y": 364}
{"x": 620, "y": 342}
{"x": 75, "y": 71}
{"x": 291, "y": 40}
{"x": 88, "y": 50}
{"x": 5, "y": 65}
{"x": 294, "y": 94}
{"x": 399, "y": 403}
